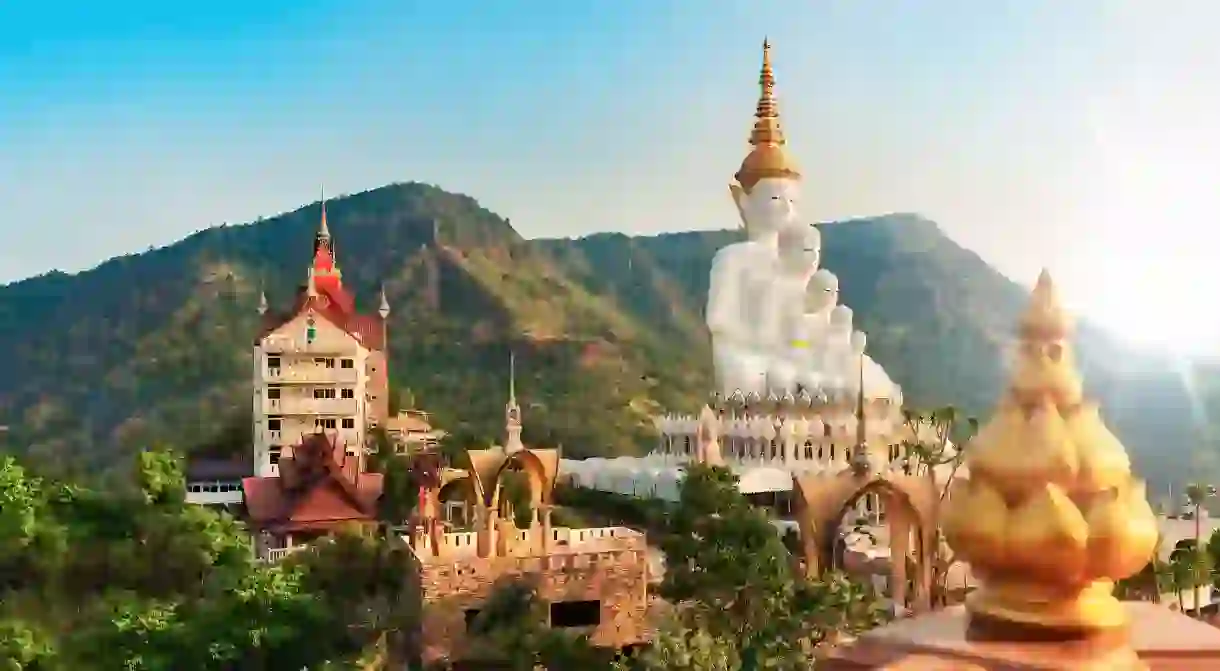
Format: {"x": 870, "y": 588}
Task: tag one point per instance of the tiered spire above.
{"x": 512, "y": 411}
{"x": 322, "y": 239}
{"x": 1051, "y": 514}
{"x": 768, "y": 159}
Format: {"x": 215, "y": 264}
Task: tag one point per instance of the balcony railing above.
{"x": 311, "y": 374}
{"x": 287, "y": 345}
{"x": 276, "y": 554}
{"x": 311, "y": 406}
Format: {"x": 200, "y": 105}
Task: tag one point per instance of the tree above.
{"x": 159, "y": 476}
{"x": 399, "y": 485}
{"x": 24, "y": 647}
{"x": 1189, "y": 568}
{"x": 1197, "y": 496}
{"x": 678, "y": 647}
{"x": 936, "y": 451}
{"x": 732, "y": 576}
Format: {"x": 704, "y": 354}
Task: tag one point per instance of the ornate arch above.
{"x": 460, "y": 481}
{"x": 821, "y": 500}
{"x": 536, "y": 471}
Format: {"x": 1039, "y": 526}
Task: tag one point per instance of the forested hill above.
{"x": 607, "y": 329}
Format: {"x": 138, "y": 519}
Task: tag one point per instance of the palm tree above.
{"x": 1197, "y": 496}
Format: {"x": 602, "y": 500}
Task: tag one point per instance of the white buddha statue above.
{"x": 766, "y": 196}
{"x": 821, "y": 297}
{"x": 838, "y": 362}
{"x": 782, "y": 306}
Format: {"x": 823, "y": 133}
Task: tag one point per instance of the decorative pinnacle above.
{"x": 323, "y": 229}
{"x": 384, "y": 308}
{"x": 262, "y": 302}
{"x": 512, "y": 379}
{"x": 766, "y": 127}
{"x": 1045, "y": 318}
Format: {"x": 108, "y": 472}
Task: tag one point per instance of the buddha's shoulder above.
{"x": 738, "y": 251}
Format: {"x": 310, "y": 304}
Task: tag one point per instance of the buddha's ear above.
{"x": 739, "y": 198}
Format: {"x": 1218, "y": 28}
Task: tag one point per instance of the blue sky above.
{"x": 1081, "y": 135}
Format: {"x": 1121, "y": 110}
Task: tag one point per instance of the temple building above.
{"x": 319, "y": 368}
{"x": 320, "y": 487}
{"x": 795, "y": 387}
{"x": 320, "y": 383}
{"x": 594, "y": 580}
{"x": 411, "y": 431}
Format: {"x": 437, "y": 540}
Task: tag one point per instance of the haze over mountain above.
{"x": 607, "y": 330}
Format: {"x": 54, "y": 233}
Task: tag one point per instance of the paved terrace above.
{"x": 564, "y": 541}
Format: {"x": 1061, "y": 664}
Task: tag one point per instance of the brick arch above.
{"x": 536, "y": 472}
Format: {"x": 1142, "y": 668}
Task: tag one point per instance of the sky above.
{"x": 1079, "y": 136}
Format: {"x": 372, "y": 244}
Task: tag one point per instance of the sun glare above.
{"x": 1148, "y": 299}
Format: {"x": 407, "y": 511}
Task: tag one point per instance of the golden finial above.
{"x": 1050, "y": 516}
{"x": 767, "y": 159}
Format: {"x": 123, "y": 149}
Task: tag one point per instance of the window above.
{"x": 275, "y": 454}
{"x": 330, "y": 363}
{"x": 273, "y": 393}
{"x": 324, "y": 423}
{"x": 349, "y": 423}
{"x": 273, "y": 362}
{"x": 347, "y": 393}
{"x": 347, "y": 363}
{"x": 323, "y": 393}
{"x": 576, "y": 613}
{"x": 273, "y": 423}
{"x": 471, "y": 614}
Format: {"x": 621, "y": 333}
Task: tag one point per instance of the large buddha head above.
{"x": 800, "y": 248}
{"x": 768, "y": 182}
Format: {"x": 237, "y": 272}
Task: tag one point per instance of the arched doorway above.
{"x": 457, "y": 498}
{"x": 876, "y": 533}
{"x": 519, "y": 488}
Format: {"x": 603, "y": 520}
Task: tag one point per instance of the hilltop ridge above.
{"x": 607, "y": 328}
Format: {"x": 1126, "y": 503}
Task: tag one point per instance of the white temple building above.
{"x": 796, "y": 390}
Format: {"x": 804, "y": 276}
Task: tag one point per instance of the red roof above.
{"x": 335, "y": 305}
{"x": 319, "y": 485}
{"x": 331, "y": 301}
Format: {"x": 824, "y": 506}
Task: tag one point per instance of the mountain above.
{"x": 607, "y": 329}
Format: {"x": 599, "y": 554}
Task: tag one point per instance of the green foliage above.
{"x": 97, "y": 580}
{"x": 512, "y": 629}
{"x": 400, "y": 487}
{"x": 729, "y": 567}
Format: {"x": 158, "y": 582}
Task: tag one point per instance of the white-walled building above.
{"x": 320, "y": 367}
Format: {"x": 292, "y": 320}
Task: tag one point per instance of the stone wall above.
{"x": 616, "y": 578}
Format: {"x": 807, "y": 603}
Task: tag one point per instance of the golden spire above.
{"x": 1051, "y": 515}
{"x": 768, "y": 158}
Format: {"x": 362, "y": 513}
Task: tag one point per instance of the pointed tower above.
{"x": 262, "y": 303}
{"x": 322, "y": 238}
{"x": 322, "y": 339}
{"x": 861, "y": 461}
{"x": 1051, "y": 515}
{"x": 768, "y": 158}
{"x": 512, "y": 411}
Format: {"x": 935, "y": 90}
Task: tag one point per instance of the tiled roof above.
{"x": 318, "y": 483}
